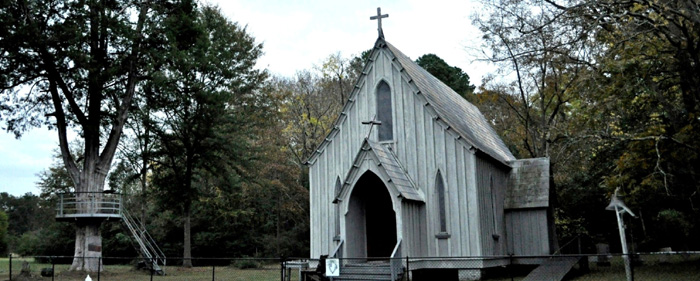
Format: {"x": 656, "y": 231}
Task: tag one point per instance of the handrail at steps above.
{"x": 149, "y": 248}
{"x": 338, "y": 252}
{"x": 395, "y": 261}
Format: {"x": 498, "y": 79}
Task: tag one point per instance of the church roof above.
{"x": 459, "y": 114}
{"x": 398, "y": 177}
{"x": 528, "y": 184}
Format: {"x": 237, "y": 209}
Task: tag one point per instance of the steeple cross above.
{"x": 379, "y": 18}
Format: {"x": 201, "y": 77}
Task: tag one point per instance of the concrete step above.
{"x": 365, "y": 271}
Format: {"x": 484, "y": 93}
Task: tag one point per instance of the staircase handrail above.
{"x": 338, "y": 252}
{"x": 151, "y": 243}
{"x": 149, "y": 248}
{"x": 396, "y": 261}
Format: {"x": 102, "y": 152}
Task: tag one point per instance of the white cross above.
{"x": 379, "y": 18}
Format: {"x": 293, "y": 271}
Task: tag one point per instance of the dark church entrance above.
{"x": 371, "y": 220}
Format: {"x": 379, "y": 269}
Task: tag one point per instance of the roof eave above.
{"x": 380, "y": 43}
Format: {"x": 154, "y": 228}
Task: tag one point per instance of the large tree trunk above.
{"x": 88, "y": 248}
{"x": 88, "y": 239}
{"x": 187, "y": 252}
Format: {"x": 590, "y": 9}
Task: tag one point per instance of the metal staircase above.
{"x": 154, "y": 257}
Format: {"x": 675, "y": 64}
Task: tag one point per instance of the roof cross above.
{"x": 371, "y": 124}
{"x": 379, "y": 18}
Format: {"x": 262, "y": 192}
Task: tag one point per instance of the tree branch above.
{"x": 110, "y": 147}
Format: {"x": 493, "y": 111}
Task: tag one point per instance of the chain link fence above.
{"x": 128, "y": 269}
{"x": 644, "y": 266}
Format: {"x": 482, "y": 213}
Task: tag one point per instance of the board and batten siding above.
{"x": 335, "y": 158}
{"x": 527, "y": 232}
{"x": 423, "y": 144}
{"x": 491, "y": 183}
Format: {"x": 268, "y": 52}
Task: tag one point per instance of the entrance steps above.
{"x": 553, "y": 269}
{"x": 379, "y": 271}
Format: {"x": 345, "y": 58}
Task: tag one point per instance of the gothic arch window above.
{"x": 442, "y": 210}
{"x": 337, "y": 209}
{"x": 386, "y": 130}
{"x": 494, "y": 197}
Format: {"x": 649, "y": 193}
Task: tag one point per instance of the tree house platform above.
{"x": 88, "y": 206}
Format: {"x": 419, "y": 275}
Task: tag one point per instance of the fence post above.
{"x": 408, "y": 269}
{"x": 282, "y": 271}
{"x": 10, "y": 266}
{"x": 213, "y": 272}
{"x": 510, "y": 267}
{"x": 630, "y": 259}
{"x": 99, "y": 267}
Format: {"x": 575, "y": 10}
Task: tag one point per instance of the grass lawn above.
{"x": 675, "y": 268}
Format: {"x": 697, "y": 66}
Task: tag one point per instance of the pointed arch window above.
{"x": 337, "y": 210}
{"x": 386, "y": 130}
{"x": 494, "y": 201}
{"x": 442, "y": 210}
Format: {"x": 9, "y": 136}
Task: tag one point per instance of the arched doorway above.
{"x": 370, "y": 220}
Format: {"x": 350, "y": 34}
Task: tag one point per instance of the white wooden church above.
{"x": 411, "y": 168}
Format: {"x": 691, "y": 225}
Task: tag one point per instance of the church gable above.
{"x": 389, "y": 165}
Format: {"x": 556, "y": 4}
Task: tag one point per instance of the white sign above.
{"x": 332, "y": 268}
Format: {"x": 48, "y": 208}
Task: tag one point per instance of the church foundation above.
{"x": 469, "y": 274}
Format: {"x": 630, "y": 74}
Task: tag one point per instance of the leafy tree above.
{"x": 452, "y": 76}
{"x": 3, "y": 232}
{"x": 627, "y": 73}
{"x": 78, "y": 63}
{"x": 207, "y": 102}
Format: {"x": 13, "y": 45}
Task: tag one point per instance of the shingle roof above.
{"x": 398, "y": 178}
{"x": 397, "y": 174}
{"x": 528, "y": 184}
{"x": 459, "y": 114}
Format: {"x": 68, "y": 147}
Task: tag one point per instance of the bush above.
{"x": 246, "y": 263}
{"x": 27, "y": 244}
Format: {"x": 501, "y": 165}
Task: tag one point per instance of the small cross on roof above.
{"x": 371, "y": 124}
{"x": 379, "y": 18}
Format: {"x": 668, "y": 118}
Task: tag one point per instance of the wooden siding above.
{"x": 491, "y": 181}
{"x": 423, "y": 143}
{"x": 527, "y": 232}
{"x": 414, "y": 232}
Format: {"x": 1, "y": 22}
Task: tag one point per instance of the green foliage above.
{"x": 28, "y": 244}
{"x": 624, "y": 78}
{"x": 3, "y": 232}
{"x": 452, "y": 76}
{"x": 247, "y": 263}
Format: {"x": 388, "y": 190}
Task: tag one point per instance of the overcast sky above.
{"x": 297, "y": 35}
